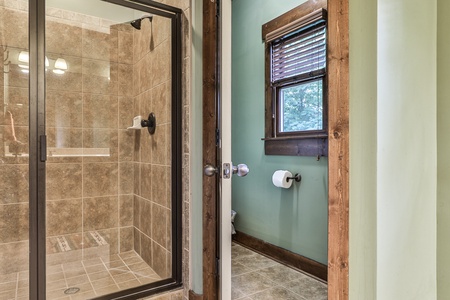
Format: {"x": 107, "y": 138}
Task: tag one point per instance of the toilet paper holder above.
{"x": 297, "y": 177}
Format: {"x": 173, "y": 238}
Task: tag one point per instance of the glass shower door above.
{"x": 14, "y": 170}
{"x": 108, "y": 187}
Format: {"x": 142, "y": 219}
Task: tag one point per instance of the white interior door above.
{"x": 225, "y": 129}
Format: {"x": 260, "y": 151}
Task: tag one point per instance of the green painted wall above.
{"x": 406, "y": 149}
{"x": 393, "y": 149}
{"x": 443, "y": 130}
{"x": 363, "y": 149}
{"x": 295, "y": 218}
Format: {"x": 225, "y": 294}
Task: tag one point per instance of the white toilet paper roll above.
{"x": 279, "y": 179}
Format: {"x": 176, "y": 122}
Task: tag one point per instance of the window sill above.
{"x": 304, "y": 137}
{"x": 316, "y": 145}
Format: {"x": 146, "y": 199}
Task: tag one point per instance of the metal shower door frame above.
{"x": 38, "y": 150}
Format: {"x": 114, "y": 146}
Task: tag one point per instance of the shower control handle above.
{"x": 150, "y": 123}
{"x": 241, "y": 170}
{"x": 210, "y": 171}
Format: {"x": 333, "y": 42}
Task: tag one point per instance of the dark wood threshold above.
{"x": 194, "y": 296}
{"x": 281, "y": 255}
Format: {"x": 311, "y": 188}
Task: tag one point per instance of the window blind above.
{"x": 299, "y": 53}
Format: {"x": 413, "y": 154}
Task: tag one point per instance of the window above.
{"x": 296, "y": 84}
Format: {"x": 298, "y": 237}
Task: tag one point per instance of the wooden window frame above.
{"x": 276, "y": 90}
{"x": 299, "y": 143}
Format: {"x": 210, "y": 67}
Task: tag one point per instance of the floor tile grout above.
{"x": 241, "y": 256}
{"x": 89, "y": 280}
{"x": 140, "y": 274}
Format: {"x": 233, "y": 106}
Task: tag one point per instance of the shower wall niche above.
{"x": 109, "y": 189}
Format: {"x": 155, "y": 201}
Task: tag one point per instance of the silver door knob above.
{"x": 210, "y": 170}
{"x": 241, "y": 170}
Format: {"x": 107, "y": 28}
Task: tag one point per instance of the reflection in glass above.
{"x": 14, "y": 171}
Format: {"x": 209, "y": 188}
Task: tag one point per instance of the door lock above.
{"x": 240, "y": 170}
{"x": 210, "y": 171}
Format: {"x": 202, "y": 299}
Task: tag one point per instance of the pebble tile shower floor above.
{"x": 94, "y": 277}
{"x": 256, "y": 277}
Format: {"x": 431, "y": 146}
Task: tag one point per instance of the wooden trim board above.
{"x": 210, "y": 237}
{"x": 281, "y": 255}
{"x": 338, "y": 149}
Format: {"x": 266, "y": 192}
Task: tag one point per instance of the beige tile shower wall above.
{"x": 81, "y": 110}
{"x": 14, "y": 208}
{"x": 153, "y": 193}
{"x": 185, "y": 5}
{"x": 152, "y": 88}
{"x": 89, "y": 107}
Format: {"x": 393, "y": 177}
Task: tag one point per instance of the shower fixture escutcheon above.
{"x": 137, "y": 23}
{"x": 150, "y": 123}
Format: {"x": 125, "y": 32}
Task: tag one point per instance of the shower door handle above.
{"x": 43, "y": 147}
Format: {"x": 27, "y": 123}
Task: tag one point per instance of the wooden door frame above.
{"x": 338, "y": 150}
{"x": 210, "y": 151}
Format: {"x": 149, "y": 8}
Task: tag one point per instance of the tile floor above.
{"x": 256, "y": 277}
{"x": 94, "y": 277}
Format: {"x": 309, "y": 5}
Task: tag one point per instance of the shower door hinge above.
{"x": 218, "y": 138}
{"x": 218, "y": 8}
{"x": 217, "y": 267}
{"x": 43, "y": 148}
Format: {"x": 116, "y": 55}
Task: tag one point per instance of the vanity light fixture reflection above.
{"x": 60, "y": 66}
{"x": 24, "y": 58}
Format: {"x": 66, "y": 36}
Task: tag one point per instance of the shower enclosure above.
{"x": 89, "y": 207}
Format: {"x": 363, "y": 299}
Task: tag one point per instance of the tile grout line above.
{"x": 89, "y": 278}
{"x": 253, "y": 294}
{"x": 17, "y": 285}
{"x": 108, "y": 269}
{"x": 82, "y": 158}
{"x": 118, "y": 149}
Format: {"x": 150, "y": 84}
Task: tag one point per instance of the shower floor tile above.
{"x": 256, "y": 277}
{"x": 94, "y": 277}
